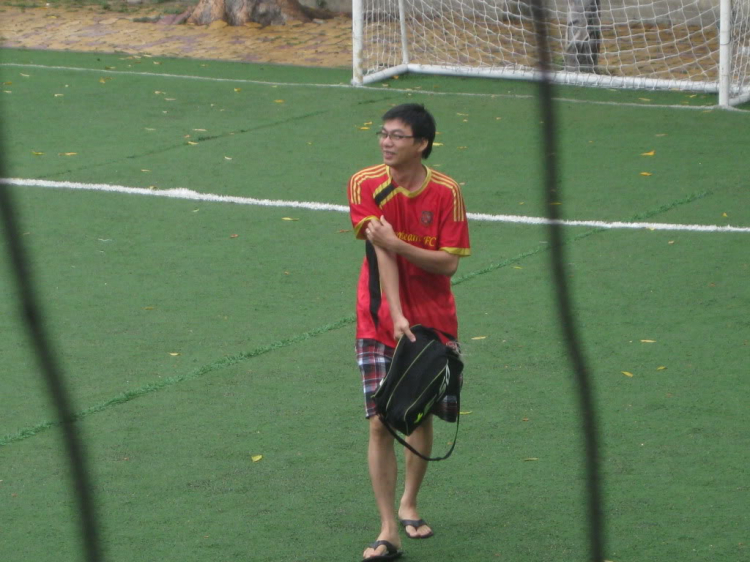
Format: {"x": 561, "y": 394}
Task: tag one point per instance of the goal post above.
{"x": 691, "y": 45}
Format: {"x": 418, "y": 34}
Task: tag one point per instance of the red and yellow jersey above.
{"x": 432, "y": 217}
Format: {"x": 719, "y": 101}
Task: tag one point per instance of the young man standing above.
{"x": 414, "y": 223}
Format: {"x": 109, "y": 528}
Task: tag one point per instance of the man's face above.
{"x": 398, "y": 145}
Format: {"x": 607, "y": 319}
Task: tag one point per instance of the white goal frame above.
{"x": 385, "y": 44}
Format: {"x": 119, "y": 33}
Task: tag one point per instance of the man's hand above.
{"x": 401, "y": 328}
{"x": 380, "y": 232}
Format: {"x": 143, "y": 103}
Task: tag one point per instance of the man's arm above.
{"x": 381, "y": 234}
{"x": 388, "y": 269}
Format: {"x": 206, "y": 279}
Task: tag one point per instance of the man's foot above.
{"x": 417, "y": 528}
{"x": 382, "y": 550}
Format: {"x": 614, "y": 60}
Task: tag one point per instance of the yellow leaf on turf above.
{"x": 627, "y": 374}
{"x": 646, "y": 174}
{"x": 465, "y": 413}
{"x": 256, "y": 458}
{"x": 517, "y": 267}
{"x": 437, "y": 144}
{"x": 59, "y": 95}
{"x": 36, "y": 153}
{"x": 227, "y": 158}
{"x": 289, "y": 219}
{"x": 649, "y": 153}
{"x": 192, "y": 143}
{"x": 530, "y": 459}
{"x": 200, "y": 130}
{"x": 644, "y": 99}
{"x": 662, "y": 368}
{"x": 238, "y": 89}
{"x": 648, "y": 341}
{"x": 174, "y": 354}
{"x": 67, "y": 153}
{"x": 724, "y": 215}
{"x": 480, "y": 338}
{"x": 278, "y": 101}
{"x": 364, "y": 128}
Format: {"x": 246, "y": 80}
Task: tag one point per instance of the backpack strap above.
{"x": 413, "y": 450}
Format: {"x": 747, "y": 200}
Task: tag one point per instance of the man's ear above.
{"x": 423, "y": 144}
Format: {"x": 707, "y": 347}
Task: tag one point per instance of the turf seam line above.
{"x": 188, "y": 194}
{"x": 148, "y": 388}
{"x": 364, "y": 88}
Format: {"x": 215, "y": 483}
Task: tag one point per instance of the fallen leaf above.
{"x": 200, "y": 130}
{"x": 289, "y": 219}
{"x": 7, "y": 83}
{"x": 517, "y": 267}
{"x": 437, "y": 144}
{"x": 662, "y": 368}
{"x": 466, "y": 413}
{"x": 149, "y": 129}
{"x": 368, "y": 123}
{"x": 724, "y": 215}
{"x": 59, "y": 95}
{"x": 67, "y": 153}
{"x": 110, "y": 67}
{"x": 24, "y": 75}
{"x": 648, "y": 341}
{"x": 170, "y": 99}
{"x": 238, "y": 89}
{"x": 627, "y": 374}
{"x": 649, "y": 153}
{"x": 36, "y": 153}
{"x": 646, "y": 174}
{"x": 462, "y": 147}
{"x": 173, "y": 354}
{"x": 278, "y": 101}
{"x": 234, "y": 236}
{"x": 149, "y": 308}
{"x": 256, "y": 458}
{"x": 661, "y": 134}
{"x": 524, "y": 419}
{"x": 227, "y": 158}
{"x": 530, "y": 459}
{"x": 144, "y": 170}
{"x": 364, "y": 128}
{"x": 480, "y": 338}
{"x": 192, "y": 143}
{"x": 644, "y": 99}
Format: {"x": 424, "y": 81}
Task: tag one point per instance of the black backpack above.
{"x": 420, "y": 375}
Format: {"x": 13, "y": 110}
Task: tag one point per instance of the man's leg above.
{"x": 381, "y": 459}
{"x": 421, "y": 440}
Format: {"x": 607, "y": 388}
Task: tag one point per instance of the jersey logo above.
{"x": 426, "y": 218}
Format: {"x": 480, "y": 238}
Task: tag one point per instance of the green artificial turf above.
{"x": 195, "y": 336}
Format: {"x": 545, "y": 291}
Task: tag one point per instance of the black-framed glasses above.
{"x": 383, "y": 134}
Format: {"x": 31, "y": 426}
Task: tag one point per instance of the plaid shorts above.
{"x": 374, "y": 359}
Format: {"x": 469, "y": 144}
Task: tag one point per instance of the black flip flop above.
{"x": 416, "y": 523}
{"x": 391, "y": 551}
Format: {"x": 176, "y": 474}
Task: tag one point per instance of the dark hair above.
{"x": 420, "y": 120}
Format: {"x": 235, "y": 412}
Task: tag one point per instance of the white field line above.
{"x": 189, "y": 194}
{"x": 357, "y": 88}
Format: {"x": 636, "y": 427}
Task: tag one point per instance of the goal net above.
{"x": 694, "y": 45}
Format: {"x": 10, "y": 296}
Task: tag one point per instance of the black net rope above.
{"x": 552, "y": 200}
{"x": 31, "y": 313}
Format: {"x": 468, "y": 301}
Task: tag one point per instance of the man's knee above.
{"x": 378, "y": 431}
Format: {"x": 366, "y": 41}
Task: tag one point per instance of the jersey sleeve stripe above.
{"x": 461, "y": 252}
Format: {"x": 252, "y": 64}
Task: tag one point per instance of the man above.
{"x": 414, "y": 223}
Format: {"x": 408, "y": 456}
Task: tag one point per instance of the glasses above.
{"x": 383, "y": 134}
